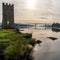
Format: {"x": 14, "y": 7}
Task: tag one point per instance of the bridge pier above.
{"x": 35, "y": 26}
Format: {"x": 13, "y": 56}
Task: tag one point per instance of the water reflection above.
{"x": 55, "y": 30}
{"x": 49, "y": 49}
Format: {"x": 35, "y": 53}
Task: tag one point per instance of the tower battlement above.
{"x": 8, "y": 15}
{"x": 7, "y": 4}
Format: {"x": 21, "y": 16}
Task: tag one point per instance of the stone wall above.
{"x": 8, "y": 15}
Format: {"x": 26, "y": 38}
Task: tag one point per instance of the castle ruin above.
{"x": 8, "y": 15}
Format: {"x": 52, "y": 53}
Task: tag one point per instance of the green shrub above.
{"x": 27, "y": 36}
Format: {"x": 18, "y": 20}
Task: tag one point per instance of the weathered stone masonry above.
{"x": 8, "y": 15}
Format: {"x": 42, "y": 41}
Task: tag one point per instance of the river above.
{"x": 49, "y": 49}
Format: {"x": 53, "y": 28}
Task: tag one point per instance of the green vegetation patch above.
{"x": 13, "y": 45}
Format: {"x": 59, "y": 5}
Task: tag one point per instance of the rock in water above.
{"x": 52, "y": 38}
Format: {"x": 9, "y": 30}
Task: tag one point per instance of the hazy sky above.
{"x": 35, "y": 10}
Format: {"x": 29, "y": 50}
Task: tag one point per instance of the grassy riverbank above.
{"x": 14, "y": 45}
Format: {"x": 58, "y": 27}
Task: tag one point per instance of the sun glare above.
{"x": 31, "y": 4}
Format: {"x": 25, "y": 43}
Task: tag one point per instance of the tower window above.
{"x": 7, "y": 22}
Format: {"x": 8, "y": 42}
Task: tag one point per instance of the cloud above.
{"x": 45, "y": 9}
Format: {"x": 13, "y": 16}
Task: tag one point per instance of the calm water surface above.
{"x": 48, "y": 49}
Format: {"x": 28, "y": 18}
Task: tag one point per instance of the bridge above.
{"x": 34, "y": 25}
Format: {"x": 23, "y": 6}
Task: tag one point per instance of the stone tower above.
{"x": 8, "y": 15}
